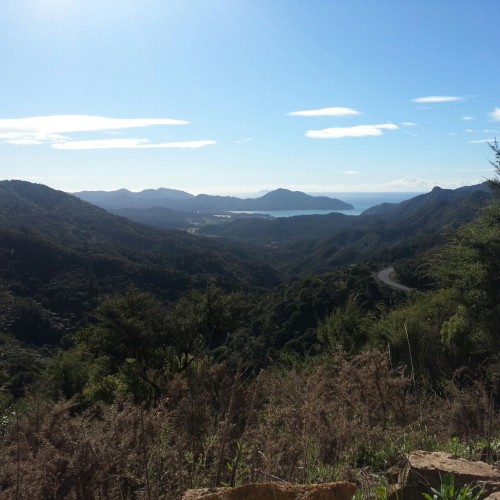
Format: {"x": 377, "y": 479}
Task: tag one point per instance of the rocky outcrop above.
{"x": 276, "y": 491}
{"x": 425, "y": 470}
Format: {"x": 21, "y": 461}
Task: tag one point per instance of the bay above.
{"x": 360, "y": 202}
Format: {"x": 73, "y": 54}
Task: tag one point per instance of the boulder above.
{"x": 424, "y": 470}
{"x": 276, "y": 491}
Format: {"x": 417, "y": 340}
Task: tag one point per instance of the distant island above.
{"x": 279, "y": 199}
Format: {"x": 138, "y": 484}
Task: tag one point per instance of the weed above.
{"x": 450, "y": 491}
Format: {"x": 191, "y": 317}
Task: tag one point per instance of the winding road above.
{"x": 385, "y": 277}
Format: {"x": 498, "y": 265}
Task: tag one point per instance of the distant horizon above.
{"x": 262, "y": 192}
{"x": 250, "y": 194}
{"x": 254, "y": 193}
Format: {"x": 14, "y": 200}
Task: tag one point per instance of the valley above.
{"x": 97, "y": 310}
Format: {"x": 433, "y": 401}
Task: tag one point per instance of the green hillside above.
{"x": 210, "y": 370}
{"x": 62, "y": 254}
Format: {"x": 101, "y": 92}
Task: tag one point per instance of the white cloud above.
{"x": 29, "y": 138}
{"x": 468, "y": 118}
{"x": 437, "y": 98}
{"x": 416, "y": 184}
{"x": 130, "y": 144}
{"x": 495, "y": 114}
{"x": 357, "y": 131}
{"x": 49, "y": 129}
{"x": 336, "y": 111}
{"x": 408, "y": 124}
{"x": 482, "y": 141}
{"x": 60, "y": 124}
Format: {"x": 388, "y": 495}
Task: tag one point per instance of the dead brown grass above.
{"x": 320, "y": 422}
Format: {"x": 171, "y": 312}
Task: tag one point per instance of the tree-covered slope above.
{"x": 318, "y": 243}
{"x": 60, "y": 253}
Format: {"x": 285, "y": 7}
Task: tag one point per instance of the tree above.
{"x": 138, "y": 343}
{"x": 468, "y": 267}
{"x": 495, "y": 182}
{"x": 346, "y": 328}
{"x": 131, "y": 339}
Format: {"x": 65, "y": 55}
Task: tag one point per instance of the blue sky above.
{"x": 240, "y": 96}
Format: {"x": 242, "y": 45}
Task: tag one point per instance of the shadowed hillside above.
{"x": 59, "y": 254}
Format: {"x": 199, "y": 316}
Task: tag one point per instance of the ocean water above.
{"x": 360, "y": 202}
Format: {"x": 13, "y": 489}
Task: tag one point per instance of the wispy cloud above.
{"x": 408, "y": 124}
{"x": 62, "y": 124}
{"x": 437, "y": 98}
{"x": 482, "y": 141}
{"x": 495, "y": 114}
{"x": 357, "y": 131}
{"x": 130, "y": 144}
{"x": 53, "y": 129}
{"x": 417, "y": 184}
{"x": 468, "y": 118}
{"x": 335, "y": 111}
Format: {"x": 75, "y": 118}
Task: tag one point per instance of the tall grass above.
{"x": 335, "y": 418}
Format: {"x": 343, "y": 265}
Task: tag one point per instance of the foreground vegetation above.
{"x": 323, "y": 378}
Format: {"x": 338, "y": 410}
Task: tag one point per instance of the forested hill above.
{"x": 58, "y": 253}
{"x": 437, "y": 195}
{"x": 279, "y": 199}
{"x": 312, "y": 244}
{"x": 439, "y": 208}
{"x": 198, "y": 365}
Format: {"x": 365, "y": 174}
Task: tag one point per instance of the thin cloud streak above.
{"x": 130, "y": 144}
{"x": 437, "y": 98}
{"x": 49, "y": 129}
{"x": 482, "y": 141}
{"x": 416, "y": 184}
{"x": 61, "y": 124}
{"x": 357, "y": 131}
{"x": 335, "y": 111}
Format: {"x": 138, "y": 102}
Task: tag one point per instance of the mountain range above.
{"x": 58, "y": 253}
{"x": 311, "y": 244}
{"x": 279, "y": 199}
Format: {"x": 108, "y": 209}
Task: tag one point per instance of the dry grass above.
{"x": 341, "y": 418}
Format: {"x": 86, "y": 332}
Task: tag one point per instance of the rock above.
{"x": 493, "y": 496}
{"x": 276, "y": 491}
{"x": 424, "y": 470}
